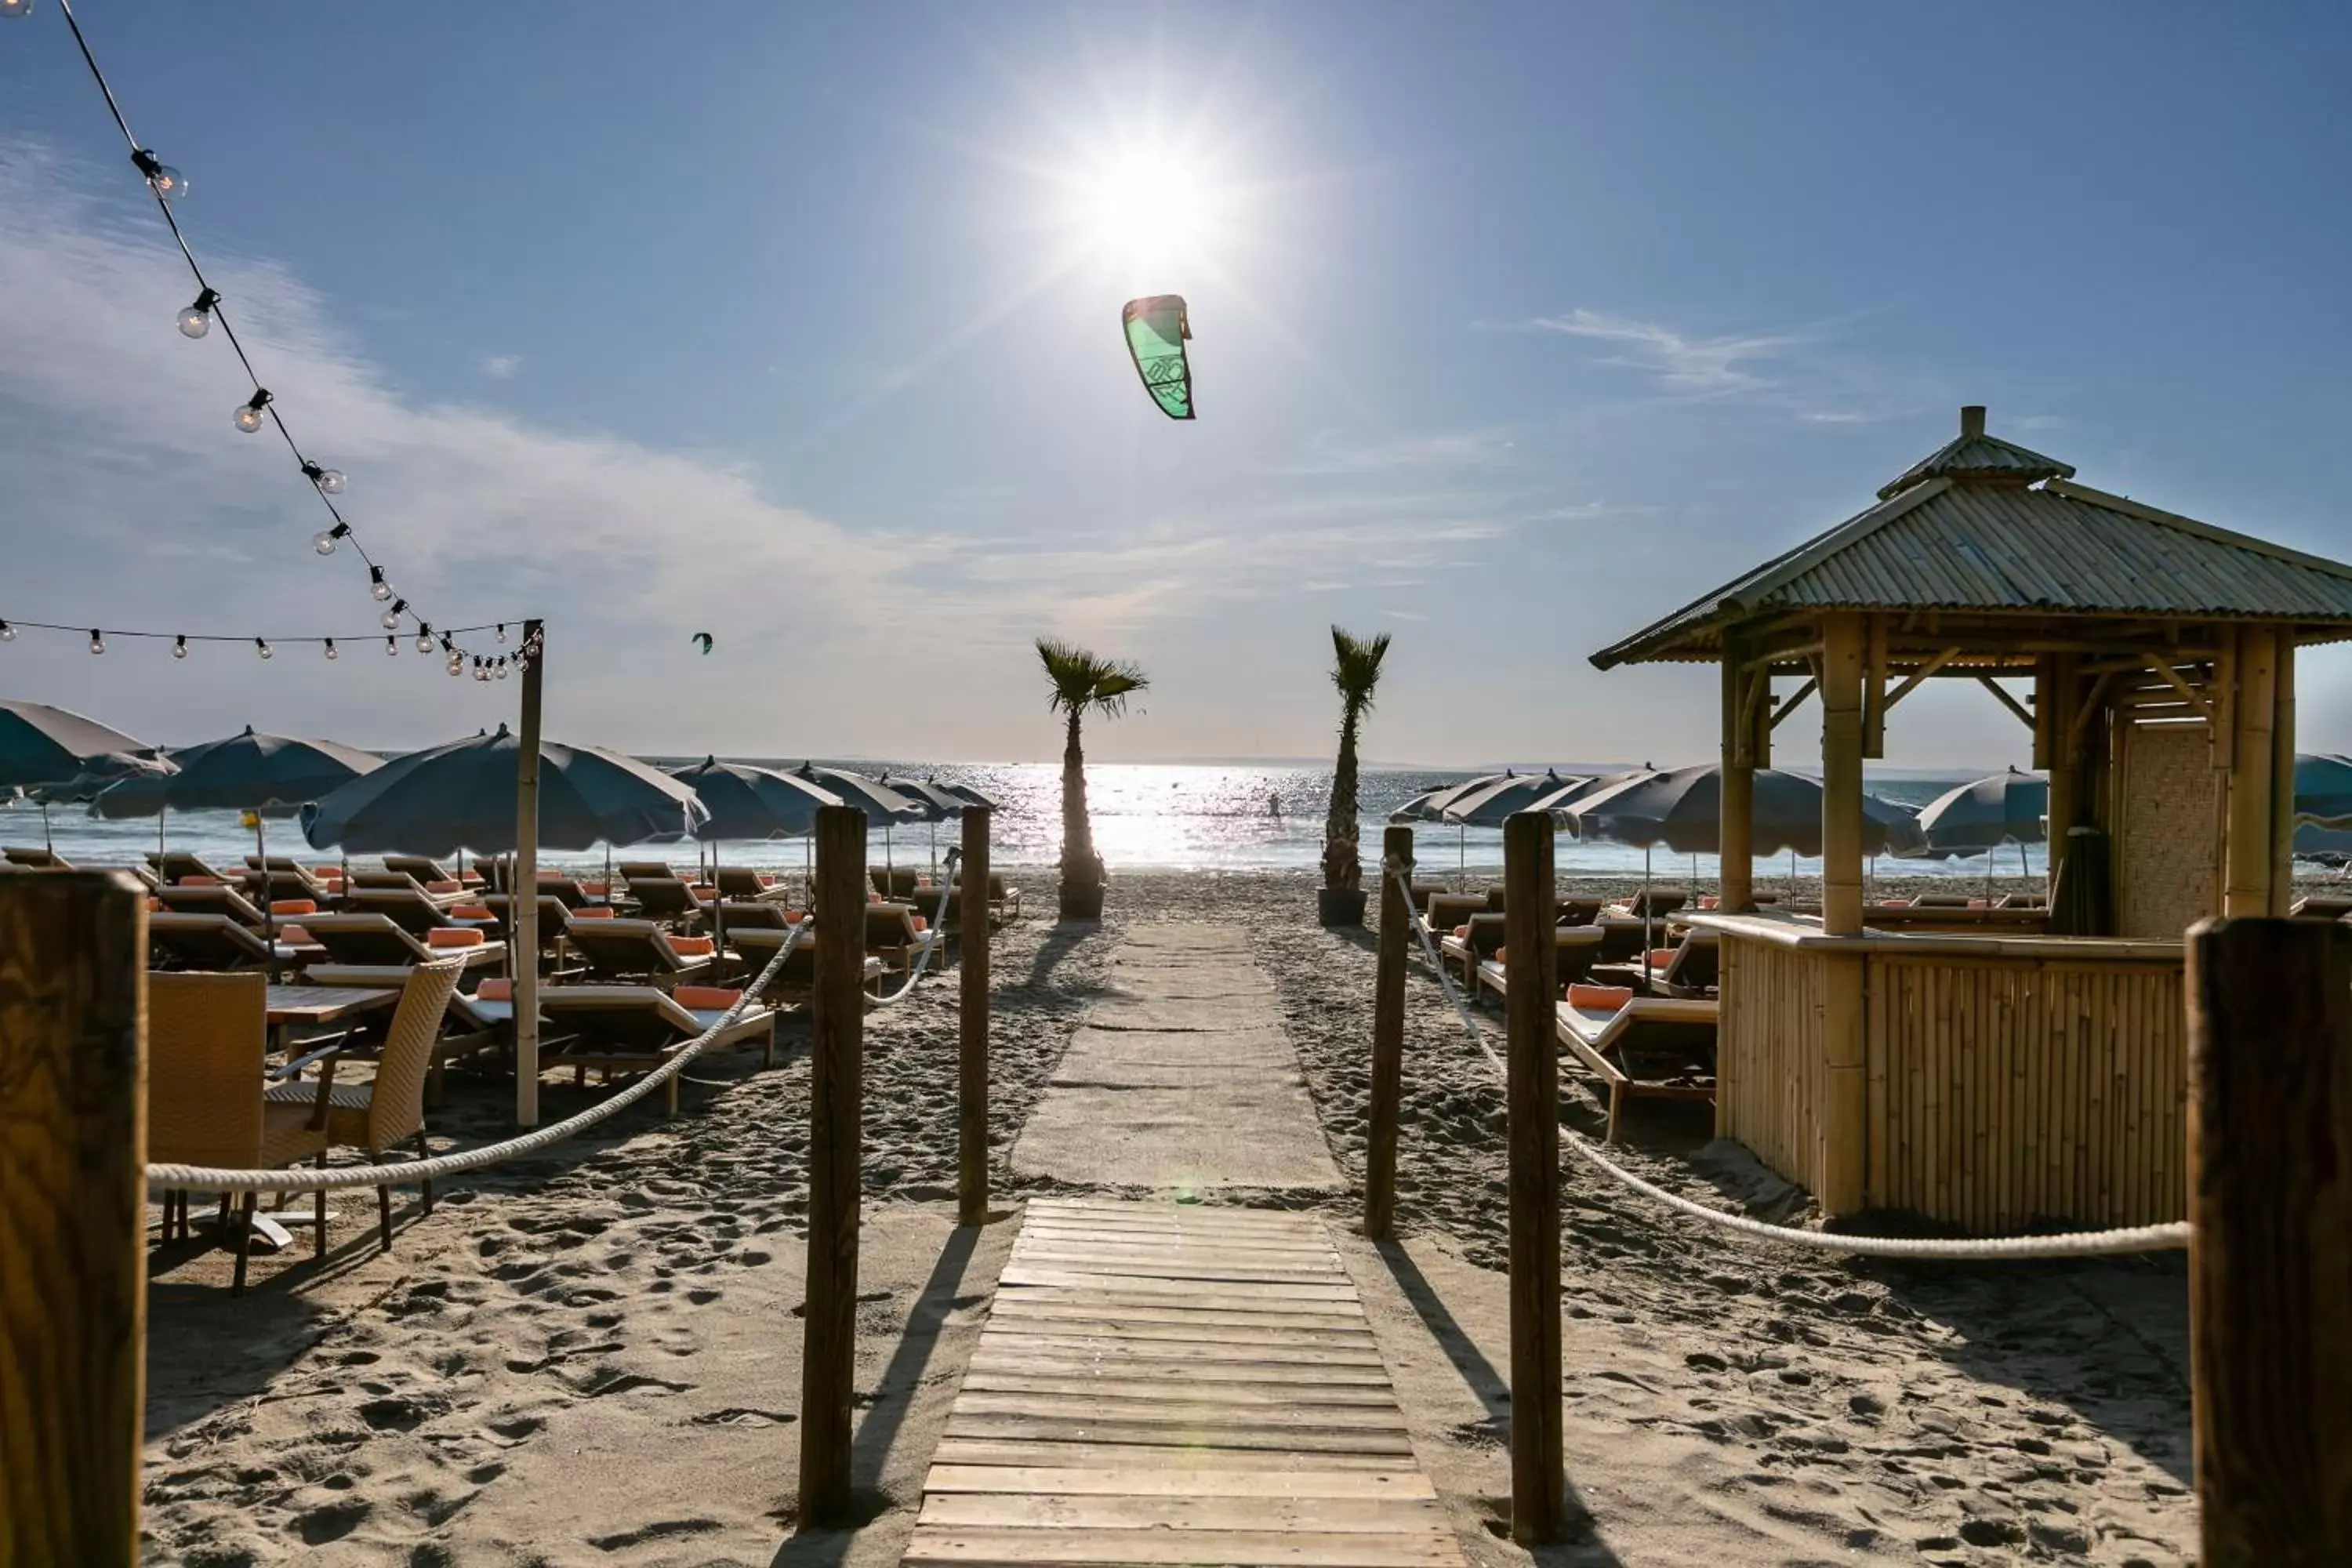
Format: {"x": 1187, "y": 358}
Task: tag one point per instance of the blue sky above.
{"x": 1514, "y": 328}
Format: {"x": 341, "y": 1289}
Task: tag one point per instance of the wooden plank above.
{"x": 1175, "y": 1323}
{"x": 1006, "y": 1429}
{"x": 1142, "y": 1272}
{"x": 1225, "y": 1295}
{"x": 1203, "y": 1412}
{"x": 1177, "y": 1483}
{"x": 1235, "y": 1547}
{"x": 1056, "y": 1233}
{"x": 1046, "y": 1453}
{"x": 1345, "y": 1516}
{"x": 1195, "y": 1214}
{"x": 1064, "y": 1349}
{"x": 1170, "y": 1383}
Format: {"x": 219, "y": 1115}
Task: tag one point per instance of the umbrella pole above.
{"x": 1792, "y": 876}
{"x": 1646, "y": 850}
{"x": 48, "y": 845}
{"x": 268, "y": 916}
{"x": 1461, "y": 857}
{"x": 161, "y": 817}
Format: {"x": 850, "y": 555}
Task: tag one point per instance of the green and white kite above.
{"x": 1157, "y": 331}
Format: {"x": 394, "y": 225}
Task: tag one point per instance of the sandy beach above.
{"x": 593, "y": 1355}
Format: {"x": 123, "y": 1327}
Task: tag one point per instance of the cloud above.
{"x": 1689, "y": 367}
{"x": 501, "y": 367}
{"x": 1326, "y": 454}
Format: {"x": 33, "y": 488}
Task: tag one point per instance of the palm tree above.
{"x": 1356, "y": 671}
{"x": 1083, "y": 681}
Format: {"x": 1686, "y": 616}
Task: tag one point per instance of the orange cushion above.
{"x": 444, "y": 886}
{"x": 794, "y": 917}
{"x": 1502, "y": 955}
{"x": 1709, "y": 902}
{"x": 295, "y": 936}
{"x": 595, "y": 914}
{"x": 702, "y": 890}
{"x": 1661, "y": 956}
{"x": 1893, "y": 904}
{"x": 294, "y": 907}
{"x": 599, "y": 888}
{"x": 1979, "y": 903}
{"x": 693, "y": 946}
{"x": 1604, "y": 998}
{"x": 1462, "y": 931}
{"x": 467, "y": 937}
{"x": 155, "y": 906}
{"x": 473, "y": 913}
{"x": 873, "y": 897}
{"x": 495, "y": 991}
{"x": 706, "y": 998}
{"x": 920, "y": 923}
{"x": 200, "y": 881}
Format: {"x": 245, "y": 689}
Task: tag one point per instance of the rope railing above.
{"x": 939, "y": 934}
{"x": 207, "y": 1178}
{"x": 2068, "y": 1244}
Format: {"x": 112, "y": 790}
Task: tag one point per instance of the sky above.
{"x": 1514, "y": 327}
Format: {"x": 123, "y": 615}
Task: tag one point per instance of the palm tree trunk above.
{"x": 1080, "y": 868}
{"x": 1343, "y": 868}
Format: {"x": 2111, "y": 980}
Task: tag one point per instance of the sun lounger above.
{"x": 2318, "y": 907}
{"x": 666, "y": 899}
{"x": 205, "y": 941}
{"x": 207, "y": 899}
{"x": 411, "y": 908}
{"x": 1574, "y": 946}
{"x": 1623, "y": 938}
{"x": 1470, "y": 944}
{"x": 374, "y": 939}
{"x": 1579, "y": 911}
{"x": 619, "y": 950}
{"x": 744, "y": 883}
{"x": 1655, "y": 1045}
{"x": 1443, "y": 912}
{"x": 893, "y": 882}
{"x": 744, "y": 914}
{"x": 898, "y": 936}
{"x": 638, "y": 1027}
{"x": 422, "y": 868}
{"x": 208, "y": 1042}
{"x": 36, "y": 858}
{"x": 179, "y": 865}
{"x": 754, "y": 947}
{"x": 1690, "y": 968}
{"x": 1655, "y": 903}
{"x": 661, "y": 870}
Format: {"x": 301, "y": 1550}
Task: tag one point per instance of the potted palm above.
{"x": 1082, "y": 681}
{"x": 1355, "y": 670}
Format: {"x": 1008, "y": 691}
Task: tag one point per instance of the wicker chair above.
{"x": 380, "y": 1115}
{"x": 208, "y": 1037}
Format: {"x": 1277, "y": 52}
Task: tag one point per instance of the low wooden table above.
{"x": 292, "y": 1008}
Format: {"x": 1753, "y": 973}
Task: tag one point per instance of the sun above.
{"x": 1151, "y": 207}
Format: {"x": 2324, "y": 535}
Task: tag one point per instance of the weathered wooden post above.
{"x": 523, "y": 895}
{"x": 1388, "y": 1035}
{"x": 837, "y": 1048}
{"x": 1531, "y": 994}
{"x": 2270, "y": 1258}
{"x": 73, "y": 1215}
{"x": 971, "y": 1055}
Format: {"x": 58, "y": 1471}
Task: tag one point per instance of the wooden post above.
{"x": 836, "y": 1046}
{"x": 972, "y": 1056}
{"x": 523, "y": 894}
{"x": 1387, "y": 1037}
{"x": 2246, "y": 850}
{"x": 2270, "y": 1258}
{"x": 1531, "y": 991}
{"x": 2283, "y": 777}
{"x": 73, "y": 1215}
{"x": 2059, "y": 698}
{"x": 1842, "y": 641}
{"x": 1734, "y": 830}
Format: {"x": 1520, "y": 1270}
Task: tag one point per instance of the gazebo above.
{"x": 1991, "y": 1076}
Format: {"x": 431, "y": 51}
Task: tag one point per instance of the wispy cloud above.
{"x": 1329, "y": 454}
{"x": 502, "y": 367}
{"x": 1684, "y": 364}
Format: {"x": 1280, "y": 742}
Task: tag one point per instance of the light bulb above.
{"x": 457, "y": 664}
{"x": 263, "y": 648}
{"x": 501, "y": 668}
{"x": 332, "y": 653}
{"x": 15, "y": 7}
{"x": 391, "y": 647}
{"x": 7, "y": 632}
{"x": 331, "y": 481}
{"x": 425, "y": 641}
{"x": 480, "y": 673}
{"x": 197, "y": 319}
{"x": 248, "y": 413}
{"x": 167, "y": 183}
{"x": 179, "y": 648}
{"x": 324, "y": 541}
{"x": 97, "y": 640}
{"x": 389, "y": 620}
{"x": 502, "y": 631}
{"x": 378, "y": 589}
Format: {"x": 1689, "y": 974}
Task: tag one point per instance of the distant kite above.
{"x": 703, "y": 640}
{"x": 1157, "y": 331}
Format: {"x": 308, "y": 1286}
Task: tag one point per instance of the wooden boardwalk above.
{"x": 1166, "y": 1383}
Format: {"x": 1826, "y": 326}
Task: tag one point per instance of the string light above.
{"x": 197, "y": 319}
{"x": 183, "y": 643}
{"x": 14, "y": 8}
{"x": 501, "y": 633}
{"x": 97, "y": 640}
{"x": 331, "y": 654}
{"x": 7, "y": 632}
{"x": 261, "y": 646}
{"x": 424, "y": 637}
{"x": 168, "y": 184}
{"x": 179, "y": 648}
{"x": 391, "y": 647}
{"x": 501, "y": 668}
{"x": 389, "y": 619}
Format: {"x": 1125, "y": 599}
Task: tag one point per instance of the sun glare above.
{"x": 1150, "y": 207}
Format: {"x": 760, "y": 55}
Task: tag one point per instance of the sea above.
{"x": 1193, "y": 816}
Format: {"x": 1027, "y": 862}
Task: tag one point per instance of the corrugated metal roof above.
{"x": 1955, "y": 544}
{"x": 1973, "y": 455}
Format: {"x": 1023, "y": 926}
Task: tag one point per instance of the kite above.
{"x": 1157, "y": 331}
{"x": 703, "y": 639}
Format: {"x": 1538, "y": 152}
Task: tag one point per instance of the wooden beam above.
{"x": 1873, "y": 690}
{"x": 523, "y": 894}
{"x": 1737, "y": 797}
{"x": 2282, "y": 776}
{"x": 73, "y": 1215}
{"x": 1841, "y": 690}
{"x": 2189, "y": 693}
{"x": 1756, "y": 691}
{"x": 1388, "y": 1038}
{"x": 2088, "y": 708}
{"x": 1911, "y": 683}
{"x": 1794, "y": 701}
{"x": 2024, "y": 716}
{"x": 2246, "y": 851}
{"x": 971, "y": 1035}
{"x": 837, "y": 1069}
{"x": 1531, "y": 907}
{"x": 2270, "y": 1281}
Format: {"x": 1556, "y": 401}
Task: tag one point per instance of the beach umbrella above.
{"x": 461, "y": 795}
{"x": 103, "y": 775}
{"x": 40, "y": 744}
{"x": 1488, "y": 804}
{"x": 1980, "y": 818}
{"x": 936, "y": 804}
{"x": 1430, "y": 806}
{"x": 748, "y": 802}
{"x": 966, "y": 793}
{"x": 2323, "y": 789}
{"x": 879, "y": 801}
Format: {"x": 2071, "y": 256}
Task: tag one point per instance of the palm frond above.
{"x": 1356, "y": 666}
{"x": 1083, "y": 680}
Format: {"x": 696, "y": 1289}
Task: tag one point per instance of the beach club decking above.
{"x": 1994, "y": 1081}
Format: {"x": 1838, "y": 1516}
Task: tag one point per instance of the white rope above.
{"x": 207, "y": 1178}
{"x": 939, "y": 939}
{"x": 2070, "y": 1243}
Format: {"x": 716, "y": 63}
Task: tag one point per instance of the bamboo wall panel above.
{"x": 2167, "y": 848}
{"x": 1770, "y": 1079}
{"x": 2026, "y": 1092}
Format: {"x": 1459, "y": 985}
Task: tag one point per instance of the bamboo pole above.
{"x": 1841, "y": 640}
{"x": 524, "y": 891}
{"x": 836, "y": 1046}
{"x": 2283, "y": 777}
{"x": 1735, "y": 829}
{"x": 2270, "y": 1261}
{"x": 1387, "y": 1036}
{"x": 1530, "y": 909}
{"x": 73, "y": 1217}
{"x": 2246, "y": 850}
{"x": 972, "y": 1054}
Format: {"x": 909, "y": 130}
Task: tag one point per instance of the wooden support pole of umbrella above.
{"x": 524, "y": 893}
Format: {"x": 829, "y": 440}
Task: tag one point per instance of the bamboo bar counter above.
{"x": 2033, "y": 1069}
